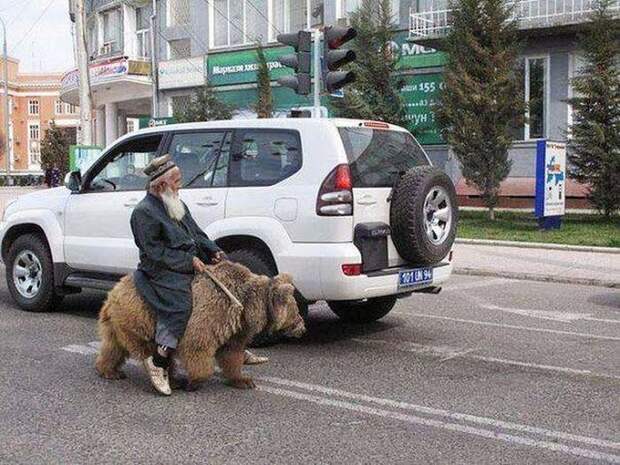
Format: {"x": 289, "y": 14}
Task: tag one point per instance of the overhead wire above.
{"x": 49, "y": 4}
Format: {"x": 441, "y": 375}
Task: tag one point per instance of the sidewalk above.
{"x": 591, "y": 268}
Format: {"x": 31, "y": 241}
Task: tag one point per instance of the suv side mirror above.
{"x": 73, "y": 180}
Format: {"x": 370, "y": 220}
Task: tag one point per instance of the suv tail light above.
{"x": 336, "y": 193}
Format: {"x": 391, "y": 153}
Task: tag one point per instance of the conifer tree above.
{"x": 264, "y": 101}
{"x": 375, "y": 94}
{"x": 204, "y": 105}
{"x": 482, "y": 100}
{"x": 594, "y": 145}
{"x": 55, "y": 149}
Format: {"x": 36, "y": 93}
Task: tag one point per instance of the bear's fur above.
{"x": 217, "y": 329}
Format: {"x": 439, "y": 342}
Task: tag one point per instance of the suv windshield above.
{"x": 377, "y": 156}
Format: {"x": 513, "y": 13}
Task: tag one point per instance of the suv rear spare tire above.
{"x": 30, "y": 274}
{"x": 423, "y": 215}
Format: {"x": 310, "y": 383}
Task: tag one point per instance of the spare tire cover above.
{"x": 423, "y": 215}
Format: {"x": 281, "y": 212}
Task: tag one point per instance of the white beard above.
{"x": 173, "y": 204}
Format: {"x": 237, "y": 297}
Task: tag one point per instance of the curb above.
{"x": 539, "y": 245}
{"x": 538, "y": 277}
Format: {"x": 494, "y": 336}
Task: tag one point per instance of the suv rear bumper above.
{"x": 321, "y": 277}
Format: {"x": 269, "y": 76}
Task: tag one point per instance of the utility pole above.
{"x": 7, "y": 128}
{"x": 86, "y": 105}
{"x": 154, "y": 63}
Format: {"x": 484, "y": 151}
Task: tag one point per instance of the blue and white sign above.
{"x": 550, "y": 179}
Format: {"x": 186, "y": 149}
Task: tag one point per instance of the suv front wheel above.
{"x": 365, "y": 311}
{"x": 30, "y": 274}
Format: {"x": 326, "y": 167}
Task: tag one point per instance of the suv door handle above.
{"x": 208, "y": 202}
{"x": 131, "y": 203}
{"x": 367, "y": 200}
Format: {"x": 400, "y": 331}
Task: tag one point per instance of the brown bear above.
{"x": 218, "y": 329}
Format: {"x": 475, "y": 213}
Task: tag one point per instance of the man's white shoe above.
{"x": 158, "y": 376}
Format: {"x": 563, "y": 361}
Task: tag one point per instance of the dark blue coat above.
{"x": 167, "y": 250}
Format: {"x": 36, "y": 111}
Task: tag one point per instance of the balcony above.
{"x": 433, "y": 23}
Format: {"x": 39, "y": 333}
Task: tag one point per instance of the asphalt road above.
{"x": 490, "y": 371}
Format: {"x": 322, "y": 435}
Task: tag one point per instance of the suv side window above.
{"x": 196, "y": 154}
{"x": 124, "y": 170}
{"x": 264, "y": 157}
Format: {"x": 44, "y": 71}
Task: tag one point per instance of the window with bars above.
{"x": 33, "y": 107}
{"x": 179, "y": 13}
{"x": 179, "y": 104}
{"x": 178, "y": 49}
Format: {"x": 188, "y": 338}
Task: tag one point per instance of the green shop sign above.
{"x": 148, "y": 122}
{"x": 420, "y": 94}
{"x": 230, "y": 68}
{"x": 414, "y": 56}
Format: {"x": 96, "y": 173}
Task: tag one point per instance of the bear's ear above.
{"x": 279, "y": 295}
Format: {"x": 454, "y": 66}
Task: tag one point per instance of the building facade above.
{"x": 198, "y": 41}
{"x": 34, "y": 103}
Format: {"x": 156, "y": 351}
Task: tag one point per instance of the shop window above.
{"x": 33, "y": 107}
{"x": 535, "y": 94}
{"x": 264, "y": 157}
{"x": 179, "y": 49}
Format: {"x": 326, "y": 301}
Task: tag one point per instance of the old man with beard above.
{"x": 172, "y": 248}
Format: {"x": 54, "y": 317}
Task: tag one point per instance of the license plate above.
{"x": 410, "y": 278}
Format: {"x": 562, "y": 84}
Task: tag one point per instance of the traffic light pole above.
{"x": 317, "y": 74}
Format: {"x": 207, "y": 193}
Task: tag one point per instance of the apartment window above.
{"x": 34, "y": 147}
{"x": 59, "y": 107}
{"x": 92, "y": 44}
{"x": 112, "y": 31}
{"x": 178, "y": 49}
{"x": 346, "y": 7}
{"x": 536, "y": 91}
{"x": 33, "y": 107}
{"x": 179, "y": 13}
{"x": 143, "y": 33}
{"x": 70, "y": 109}
{"x": 238, "y": 22}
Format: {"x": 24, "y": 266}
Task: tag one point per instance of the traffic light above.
{"x": 334, "y": 58}
{"x": 300, "y": 61}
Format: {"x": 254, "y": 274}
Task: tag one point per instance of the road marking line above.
{"x": 476, "y": 284}
{"x": 412, "y": 347}
{"x": 442, "y": 413}
{"x": 501, "y": 325}
{"x": 576, "y": 451}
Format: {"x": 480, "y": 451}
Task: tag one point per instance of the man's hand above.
{"x": 199, "y": 266}
{"x": 218, "y": 257}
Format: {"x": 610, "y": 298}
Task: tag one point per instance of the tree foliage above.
{"x": 375, "y": 94}
{"x": 594, "y": 146}
{"x": 55, "y": 149}
{"x": 204, "y": 105}
{"x": 482, "y": 100}
{"x": 264, "y": 101}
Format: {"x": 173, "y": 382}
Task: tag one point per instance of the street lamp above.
{"x": 6, "y": 105}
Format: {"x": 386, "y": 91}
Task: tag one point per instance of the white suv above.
{"x": 352, "y": 209}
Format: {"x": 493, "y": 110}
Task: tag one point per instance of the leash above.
{"x": 226, "y": 291}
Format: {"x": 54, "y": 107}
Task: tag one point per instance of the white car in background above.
{"x": 352, "y": 209}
